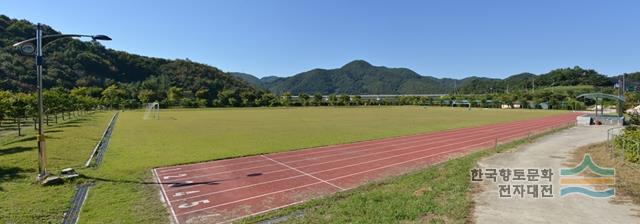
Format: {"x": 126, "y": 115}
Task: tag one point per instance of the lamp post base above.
{"x": 52, "y": 180}
{"x": 41, "y": 177}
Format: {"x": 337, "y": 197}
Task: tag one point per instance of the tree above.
{"x": 269, "y": 99}
{"x": 21, "y": 105}
{"x": 145, "y": 96}
{"x": 112, "y": 96}
{"x": 5, "y": 104}
{"x": 174, "y": 96}
{"x": 248, "y": 98}
{"x": 332, "y": 100}
{"x": 53, "y": 103}
{"x": 317, "y": 99}
{"x": 357, "y": 100}
{"x": 344, "y": 100}
{"x": 286, "y": 99}
{"x": 229, "y": 97}
{"x": 304, "y": 99}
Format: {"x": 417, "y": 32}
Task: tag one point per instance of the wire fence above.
{"x": 624, "y": 148}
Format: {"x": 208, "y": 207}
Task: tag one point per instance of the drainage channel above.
{"x": 71, "y": 217}
{"x": 101, "y": 146}
{"x": 95, "y": 159}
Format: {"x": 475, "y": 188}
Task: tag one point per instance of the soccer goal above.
{"x": 152, "y": 111}
{"x": 462, "y": 102}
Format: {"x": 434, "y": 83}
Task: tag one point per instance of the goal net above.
{"x": 152, "y": 111}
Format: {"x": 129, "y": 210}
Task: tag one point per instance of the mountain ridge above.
{"x": 361, "y": 77}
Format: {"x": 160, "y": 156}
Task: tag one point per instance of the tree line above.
{"x": 58, "y": 103}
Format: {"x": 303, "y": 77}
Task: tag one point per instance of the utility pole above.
{"x": 27, "y": 48}
{"x": 533, "y": 81}
{"x": 621, "y": 95}
{"x": 42, "y": 155}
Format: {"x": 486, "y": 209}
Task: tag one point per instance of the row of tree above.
{"x": 19, "y": 107}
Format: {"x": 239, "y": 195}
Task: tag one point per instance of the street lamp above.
{"x": 27, "y": 48}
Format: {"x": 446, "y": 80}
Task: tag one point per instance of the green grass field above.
{"x": 68, "y": 145}
{"x": 186, "y": 136}
{"x": 124, "y": 190}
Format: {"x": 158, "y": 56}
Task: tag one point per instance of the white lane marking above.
{"x": 174, "y": 176}
{"x": 287, "y": 205}
{"x": 191, "y": 204}
{"x": 166, "y": 197}
{"x": 366, "y": 143}
{"x": 341, "y": 177}
{"x": 311, "y": 184}
{"x": 169, "y": 170}
{"x": 300, "y": 171}
{"x": 438, "y": 140}
{"x": 515, "y": 132}
{"x": 180, "y": 194}
{"x": 424, "y": 137}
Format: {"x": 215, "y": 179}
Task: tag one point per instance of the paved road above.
{"x": 549, "y": 152}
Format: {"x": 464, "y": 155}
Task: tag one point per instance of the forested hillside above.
{"x": 357, "y": 77}
{"x": 72, "y": 63}
{"x": 360, "y": 77}
{"x": 132, "y": 80}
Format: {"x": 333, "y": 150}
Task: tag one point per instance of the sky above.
{"x": 284, "y": 37}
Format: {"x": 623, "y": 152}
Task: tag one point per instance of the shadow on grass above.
{"x": 27, "y": 139}
{"x": 70, "y": 124}
{"x": 22, "y": 139}
{"x": 176, "y": 184}
{"x": 16, "y": 149}
{"x": 11, "y": 173}
{"x": 66, "y": 125}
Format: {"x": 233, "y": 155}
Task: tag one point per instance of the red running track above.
{"x": 226, "y": 190}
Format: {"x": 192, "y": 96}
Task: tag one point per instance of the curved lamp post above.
{"x": 34, "y": 46}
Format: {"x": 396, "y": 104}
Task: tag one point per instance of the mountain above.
{"x": 360, "y": 77}
{"x": 73, "y": 63}
{"x": 357, "y": 77}
{"x": 575, "y": 76}
{"x": 252, "y": 80}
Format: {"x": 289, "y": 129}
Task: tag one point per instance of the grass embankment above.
{"x": 68, "y": 145}
{"x": 627, "y": 174}
{"x": 123, "y": 193}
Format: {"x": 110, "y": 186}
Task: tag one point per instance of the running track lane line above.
{"x": 369, "y": 170}
{"x": 166, "y": 197}
{"x": 300, "y": 171}
{"x": 513, "y": 133}
{"x": 490, "y": 141}
{"x": 332, "y": 179}
{"x": 437, "y": 144}
{"x": 432, "y": 140}
{"x": 402, "y": 162}
{"x": 553, "y": 122}
{"x": 344, "y": 146}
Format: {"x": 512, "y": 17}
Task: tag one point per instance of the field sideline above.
{"x": 188, "y": 136}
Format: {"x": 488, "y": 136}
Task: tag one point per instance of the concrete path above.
{"x": 552, "y": 151}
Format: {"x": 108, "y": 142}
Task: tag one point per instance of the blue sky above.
{"x": 438, "y": 38}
